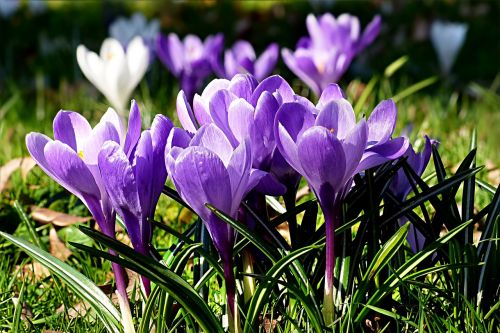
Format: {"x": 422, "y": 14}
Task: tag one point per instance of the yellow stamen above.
{"x": 332, "y": 130}
{"x": 80, "y": 154}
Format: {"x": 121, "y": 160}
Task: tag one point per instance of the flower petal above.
{"x": 185, "y": 113}
{"x": 104, "y": 131}
{"x": 304, "y": 68}
{"x": 266, "y": 62}
{"x": 201, "y": 177}
{"x": 322, "y": 158}
{"x": 382, "y": 122}
{"x": 331, "y": 92}
{"x": 291, "y": 120}
{"x": 243, "y": 85}
{"x": 212, "y": 138}
{"x": 219, "y": 109}
{"x": 379, "y": 154}
{"x": 274, "y": 84}
{"x": 354, "y": 146}
{"x": 121, "y": 186}
{"x": 168, "y": 49}
{"x": 69, "y": 168}
{"x": 241, "y": 119}
{"x": 337, "y": 116}
{"x": 134, "y": 129}
{"x": 70, "y": 128}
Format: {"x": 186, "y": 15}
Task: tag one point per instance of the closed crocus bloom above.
{"x": 324, "y": 56}
{"x": 210, "y": 170}
{"x": 447, "y": 39}
{"x": 134, "y": 183}
{"x": 401, "y": 187}
{"x": 189, "y": 60}
{"x": 71, "y": 159}
{"x": 115, "y": 72}
{"x": 245, "y": 109}
{"x": 328, "y": 149}
{"x": 241, "y": 58}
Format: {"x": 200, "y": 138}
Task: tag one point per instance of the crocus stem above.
{"x": 121, "y": 292}
{"x": 332, "y": 218}
{"x": 233, "y": 315}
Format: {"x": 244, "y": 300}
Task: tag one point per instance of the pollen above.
{"x": 332, "y": 130}
{"x": 80, "y": 154}
{"x": 109, "y": 55}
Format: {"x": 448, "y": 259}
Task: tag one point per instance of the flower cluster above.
{"x": 320, "y": 59}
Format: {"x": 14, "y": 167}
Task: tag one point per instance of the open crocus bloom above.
{"x": 401, "y": 187}
{"x": 241, "y": 59}
{"x": 447, "y": 39}
{"x": 210, "y": 170}
{"x": 328, "y": 149}
{"x": 189, "y": 60}
{"x": 115, "y": 72}
{"x": 244, "y": 109}
{"x": 324, "y": 56}
{"x": 71, "y": 160}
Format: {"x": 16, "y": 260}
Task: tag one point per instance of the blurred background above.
{"x": 39, "y": 73}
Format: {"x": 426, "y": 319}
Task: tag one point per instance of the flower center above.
{"x": 109, "y": 55}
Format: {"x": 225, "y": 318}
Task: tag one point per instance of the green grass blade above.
{"x": 414, "y": 88}
{"x": 79, "y": 283}
{"x": 29, "y": 225}
{"x": 395, "y": 66}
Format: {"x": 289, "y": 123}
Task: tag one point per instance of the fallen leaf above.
{"x": 25, "y": 163}
{"x": 33, "y": 269}
{"x": 48, "y": 216}
{"x": 25, "y": 310}
{"x": 57, "y": 248}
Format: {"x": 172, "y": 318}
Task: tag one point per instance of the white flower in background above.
{"x": 124, "y": 29}
{"x": 115, "y": 72}
{"x": 8, "y": 7}
{"x": 447, "y": 39}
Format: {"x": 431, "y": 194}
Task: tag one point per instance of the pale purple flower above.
{"x": 208, "y": 169}
{"x": 71, "y": 159}
{"x": 125, "y": 29}
{"x": 189, "y": 60}
{"x": 329, "y": 148}
{"x": 447, "y": 39}
{"x": 325, "y": 55}
{"x": 400, "y": 186}
{"x": 245, "y": 109}
{"x": 242, "y": 59}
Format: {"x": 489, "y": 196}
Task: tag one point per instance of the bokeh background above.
{"x": 39, "y": 74}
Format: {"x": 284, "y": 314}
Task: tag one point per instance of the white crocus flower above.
{"x": 447, "y": 39}
{"x": 115, "y": 72}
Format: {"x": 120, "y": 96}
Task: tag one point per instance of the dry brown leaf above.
{"x": 57, "y": 248}
{"x": 25, "y": 310}
{"x": 33, "y": 269}
{"x": 302, "y": 192}
{"x": 186, "y": 216}
{"x": 25, "y": 163}
{"x": 48, "y": 216}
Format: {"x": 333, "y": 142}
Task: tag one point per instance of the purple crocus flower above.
{"x": 208, "y": 169}
{"x": 134, "y": 183}
{"x": 245, "y": 109}
{"x": 241, "y": 59}
{"x": 189, "y": 60}
{"x": 401, "y": 187}
{"x": 71, "y": 160}
{"x": 324, "y": 56}
{"x": 328, "y": 149}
